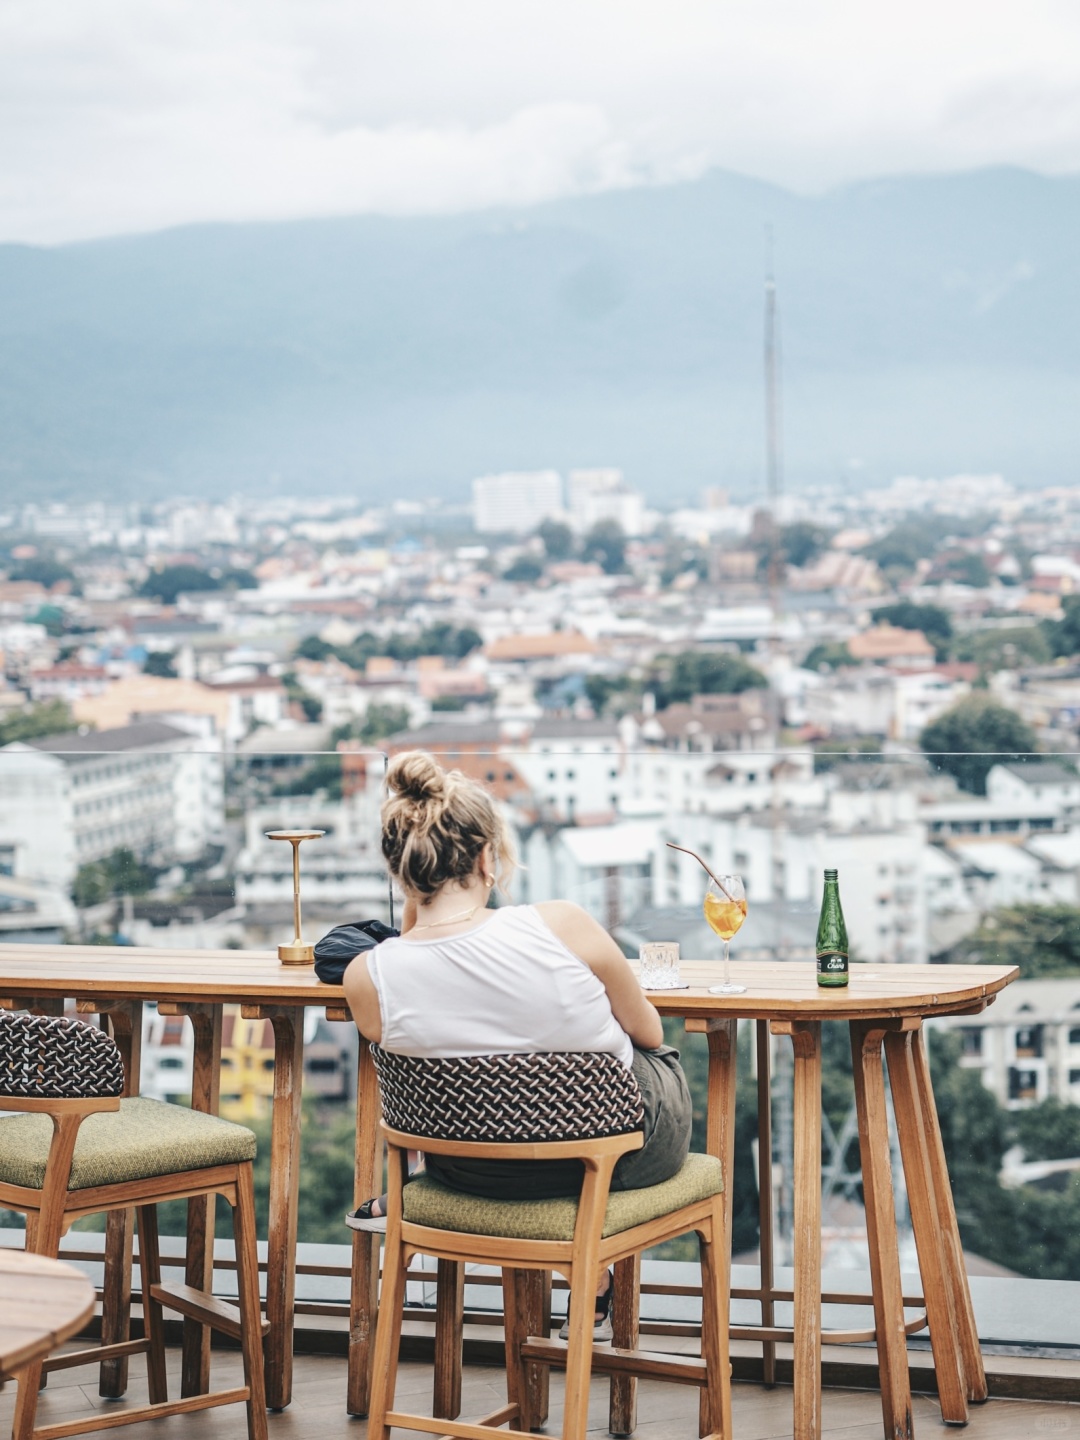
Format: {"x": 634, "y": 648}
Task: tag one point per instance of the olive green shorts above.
{"x": 668, "y": 1114}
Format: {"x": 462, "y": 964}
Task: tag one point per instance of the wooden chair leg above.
{"x": 715, "y": 1302}
{"x": 579, "y": 1351}
{"x": 247, "y": 1286}
{"x": 387, "y": 1338}
{"x": 449, "y": 1325}
{"x": 625, "y": 1329}
{"x": 515, "y": 1331}
{"x": 537, "y": 1309}
{"x": 153, "y": 1320}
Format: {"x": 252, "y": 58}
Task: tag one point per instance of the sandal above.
{"x": 601, "y": 1318}
{"x": 364, "y": 1217}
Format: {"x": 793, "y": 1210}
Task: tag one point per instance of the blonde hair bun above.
{"x": 417, "y": 776}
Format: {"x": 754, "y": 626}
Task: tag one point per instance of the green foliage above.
{"x": 120, "y": 873}
{"x": 449, "y": 703}
{"x": 830, "y": 753}
{"x": 323, "y": 773}
{"x": 606, "y": 544}
{"x": 965, "y": 567}
{"x": 160, "y": 662}
{"x": 383, "y": 720}
{"x": 934, "y": 622}
{"x": 42, "y": 571}
{"x": 1063, "y": 636}
{"x": 310, "y": 704}
{"x": 524, "y": 570}
{"x": 974, "y": 735}
{"x": 1004, "y": 649}
{"x": 1032, "y": 1232}
{"x": 703, "y": 672}
{"x": 1042, "y": 940}
{"x": 615, "y": 693}
{"x": 452, "y": 642}
{"x": 171, "y": 581}
{"x": 903, "y": 547}
{"x": 829, "y": 655}
{"x": 50, "y": 718}
{"x": 1048, "y": 1131}
{"x": 796, "y": 544}
{"x": 558, "y": 540}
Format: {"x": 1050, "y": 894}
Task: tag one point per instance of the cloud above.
{"x": 118, "y": 115}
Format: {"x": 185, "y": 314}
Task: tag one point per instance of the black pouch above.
{"x": 337, "y": 948}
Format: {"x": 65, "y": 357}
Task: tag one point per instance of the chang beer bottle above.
{"x": 832, "y": 942}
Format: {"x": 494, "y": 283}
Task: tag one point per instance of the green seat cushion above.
{"x": 426, "y": 1202}
{"x": 141, "y": 1139}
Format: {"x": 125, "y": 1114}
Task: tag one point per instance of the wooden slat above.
{"x": 109, "y": 1419}
{"x": 206, "y": 1309}
{"x": 647, "y": 1364}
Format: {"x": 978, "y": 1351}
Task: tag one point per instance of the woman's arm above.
{"x": 580, "y": 933}
{"x": 363, "y": 998}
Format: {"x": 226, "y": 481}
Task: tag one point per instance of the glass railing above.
{"x": 942, "y": 859}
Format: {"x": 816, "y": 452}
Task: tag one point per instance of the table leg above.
{"x": 866, "y": 1044}
{"x": 364, "y": 1299}
{"x": 966, "y": 1333}
{"x": 125, "y": 1024}
{"x": 806, "y": 1341}
{"x": 722, "y": 1034}
{"x": 206, "y": 1023}
{"x": 288, "y": 1023}
{"x": 766, "y": 1270}
{"x": 948, "y": 1358}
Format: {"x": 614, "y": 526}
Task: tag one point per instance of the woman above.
{"x": 466, "y": 979}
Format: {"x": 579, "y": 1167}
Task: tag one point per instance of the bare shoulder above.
{"x": 578, "y": 931}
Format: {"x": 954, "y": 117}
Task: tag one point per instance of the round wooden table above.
{"x": 43, "y": 1302}
{"x": 884, "y": 1007}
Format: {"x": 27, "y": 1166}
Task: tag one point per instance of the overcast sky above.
{"x": 125, "y": 115}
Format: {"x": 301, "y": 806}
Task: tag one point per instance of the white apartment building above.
{"x": 68, "y": 800}
{"x": 1026, "y": 1045}
{"x": 606, "y": 869}
{"x": 574, "y": 768}
{"x": 1036, "y": 782}
{"x": 596, "y": 495}
{"x": 516, "y": 502}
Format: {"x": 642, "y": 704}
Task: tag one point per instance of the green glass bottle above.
{"x": 832, "y": 942}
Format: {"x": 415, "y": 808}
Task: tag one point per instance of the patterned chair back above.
{"x": 45, "y": 1057}
{"x": 509, "y": 1098}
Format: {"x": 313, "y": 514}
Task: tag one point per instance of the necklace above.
{"x": 450, "y": 920}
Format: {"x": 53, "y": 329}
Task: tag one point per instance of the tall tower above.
{"x": 774, "y": 478}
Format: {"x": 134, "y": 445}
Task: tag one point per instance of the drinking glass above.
{"x": 725, "y": 911}
{"x": 660, "y": 966}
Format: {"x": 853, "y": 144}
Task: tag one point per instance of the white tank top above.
{"x": 510, "y": 986}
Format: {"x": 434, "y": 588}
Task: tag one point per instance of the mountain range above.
{"x": 928, "y": 326}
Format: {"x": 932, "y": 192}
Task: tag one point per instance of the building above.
{"x": 1026, "y": 1046}
{"x": 595, "y": 496}
{"x": 516, "y": 502}
{"x": 68, "y": 800}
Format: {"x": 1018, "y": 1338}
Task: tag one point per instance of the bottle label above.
{"x": 832, "y": 964}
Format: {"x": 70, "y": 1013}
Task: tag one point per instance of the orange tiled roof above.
{"x": 540, "y": 647}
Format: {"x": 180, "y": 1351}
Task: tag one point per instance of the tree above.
{"x": 525, "y": 569}
{"x": 829, "y": 655}
{"x": 903, "y": 547}
{"x": 120, "y": 873}
{"x": 383, "y": 720}
{"x": 606, "y": 544}
{"x": 1004, "y": 649}
{"x": 1043, "y": 941}
{"x": 160, "y": 662}
{"x": 1063, "y": 635}
{"x": 310, "y": 704}
{"x": 172, "y": 581}
{"x": 51, "y": 718}
{"x": 974, "y": 735}
{"x": 41, "y": 570}
{"x": 1048, "y": 1131}
{"x": 558, "y": 539}
{"x": 697, "y": 672}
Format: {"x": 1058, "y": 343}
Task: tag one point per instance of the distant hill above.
{"x": 929, "y": 326}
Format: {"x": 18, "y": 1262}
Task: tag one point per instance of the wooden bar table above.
{"x": 116, "y": 982}
{"x": 43, "y": 1302}
{"x": 885, "y": 1007}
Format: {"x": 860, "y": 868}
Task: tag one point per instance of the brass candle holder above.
{"x": 296, "y": 953}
